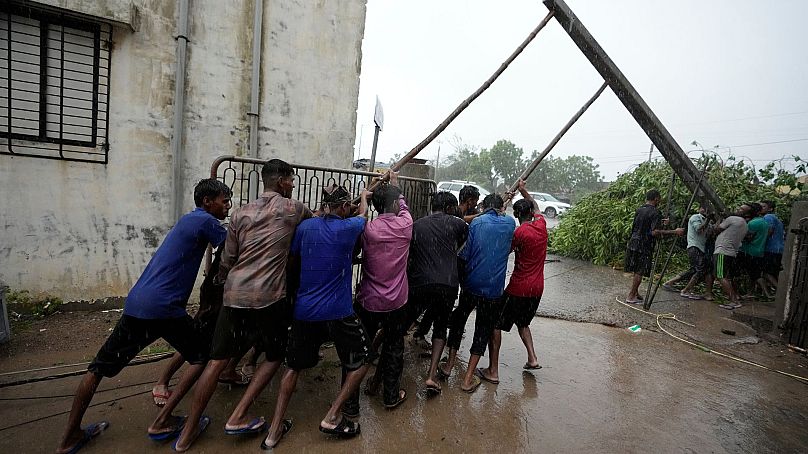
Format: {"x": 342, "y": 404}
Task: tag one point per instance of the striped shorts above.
{"x": 724, "y": 266}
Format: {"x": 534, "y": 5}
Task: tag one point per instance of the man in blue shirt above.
{"x": 155, "y": 308}
{"x": 773, "y": 253}
{"x": 323, "y": 309}
{"x": 486, "y": 256}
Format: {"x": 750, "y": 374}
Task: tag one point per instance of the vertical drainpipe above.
{"x": 179, "y": 111}
{"x": 256, "y": 75}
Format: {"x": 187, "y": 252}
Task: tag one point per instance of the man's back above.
{"x": 696, "y": 236}
{"x": 385, "y": 249}
{"x": 759, "y": 229}
{"x": 433, "y": 251}
{"x": 530, "y": 245}
{"x": 256, "y": 250}
{"x": 646, "y": 219}
{"x": 729, "y": 240}
{"x": 776, "y": 241}
{"x": 486, "y": 254}
{"x": 325, "y": 246}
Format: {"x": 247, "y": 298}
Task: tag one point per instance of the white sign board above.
{"x": 378, "y": 115}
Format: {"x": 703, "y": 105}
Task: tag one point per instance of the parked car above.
{"x": 549, "y": 205}
{"x": 454, "y": 186}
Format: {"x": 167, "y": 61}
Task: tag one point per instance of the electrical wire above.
{"x": 670, "y": 316}
{"x": 62, "y": 366}
{"x": 62, "y": 396}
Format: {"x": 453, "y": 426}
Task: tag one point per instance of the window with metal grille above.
{"x": 54, "y": 85}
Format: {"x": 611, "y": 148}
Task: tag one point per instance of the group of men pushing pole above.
{"x": 284, "y": 287}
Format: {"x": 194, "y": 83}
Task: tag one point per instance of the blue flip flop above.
{"x": 253, "y": 427}
{"x": 163, "y": 436}
{"x": 90, "y": 432}
{"x": 204, "y": 422}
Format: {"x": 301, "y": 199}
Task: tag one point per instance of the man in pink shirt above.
{"x": 383, "y": 290}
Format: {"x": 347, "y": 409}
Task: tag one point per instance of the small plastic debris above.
{"x": 635, "y": 329}
{"x": 730, "y": 332}
{"x": 43, "y": 330}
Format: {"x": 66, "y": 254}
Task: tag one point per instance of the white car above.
{"x": 549, "y": 205}
{"x": 454, "y": 186}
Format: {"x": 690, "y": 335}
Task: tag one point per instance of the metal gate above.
{"x": 243, "y": 176}
{"x": 796, "y": 325}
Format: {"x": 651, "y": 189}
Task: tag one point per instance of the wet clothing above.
{"x": 646, "y": 220}
{"x": 348, "y": 334}
{"x": 325, "y": 246}
{"x": 486, "y": 254}
{"x": 724, "y": 266}
{"x": 385, "y": 250}
{"x": 435, "y": 301}
{"x": 638, "y": 262}
{"x": 393, "y": 325}
{"x": 238, "y": 329}
{"x": 256, "y": 250}
{"x": 772, "y": 263}
{"x": 530, "y": 246}
{"x": 132, "y": 334}
{"x": 753, "y": 266}
{"x": 759, "y": 229}
{"x": 729, "y": 240}
{"x": 489, "y": 312}
{"x": 163, "y": 289}
{"x": 696, "y": 237}
{"x": 517, "y": 310}
{"x": 698, "y": 264}
{"x": 433, "y": 250}
{"x": 776, "y": 241}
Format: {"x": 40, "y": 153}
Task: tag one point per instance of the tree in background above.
{"x": 507, "y": 162}
{"x": 574, "y": 176}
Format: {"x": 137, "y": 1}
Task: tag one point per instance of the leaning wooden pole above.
{"x": 553, "y": 142}
{"x": 406, "y": 158}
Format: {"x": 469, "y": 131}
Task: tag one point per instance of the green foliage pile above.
{"x": 598, "y": 227}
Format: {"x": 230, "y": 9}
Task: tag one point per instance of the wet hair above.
{"x": 210, "y": 188}
{"x": 755, "y": 208}
{"x": 384, "y": 198}
{"x": 335, "y": 196}
{"x": 469, "y": 192}
{"x": 492, "y": 201}
{"x": 653, "y": 194}
{"x": 523, "y": 209}
{"x": 443, "y": 201}
{"x": 274, "y": 169}
{"x": 769, "y": 203}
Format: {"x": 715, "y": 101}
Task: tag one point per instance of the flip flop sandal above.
{"x": 399, "y": 401}
{"x": 345, "y": 429}
{"x": 155, "y": 395}
{"x": 529, "y": 367}
{"x": 476, "y": 382}
{"x": 90, "y": 432}
{"x": 287, "y": 426}
{"x": 441, "y": 374}
{"x": 173, "y": 433}
{"x": 255, "y": 426}
{"x": 204, "y": 422}
{"x": 432, "y": 390}
{"x": 480, "y": 372}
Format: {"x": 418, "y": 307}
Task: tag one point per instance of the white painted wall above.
{"x": 86, "y": 231}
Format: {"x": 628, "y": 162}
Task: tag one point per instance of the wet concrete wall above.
{"x": 86, "y": 231}
{"x": 785, "y": 289}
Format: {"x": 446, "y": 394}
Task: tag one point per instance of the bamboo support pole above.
{"x": 463, "y": 105}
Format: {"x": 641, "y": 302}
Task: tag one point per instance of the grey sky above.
{"x": 730, "y": 73}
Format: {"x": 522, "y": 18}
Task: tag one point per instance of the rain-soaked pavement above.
{"x": 602, "y": 389}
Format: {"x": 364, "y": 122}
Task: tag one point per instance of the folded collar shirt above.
{"x": 385, "y": 250}
{"x": 256, "y": 250}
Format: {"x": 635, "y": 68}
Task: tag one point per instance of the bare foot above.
{"x": 166, "y": 426}
{"x": 432, "y": 385}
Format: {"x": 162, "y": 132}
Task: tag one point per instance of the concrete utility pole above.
{"x": 636, "y": 106}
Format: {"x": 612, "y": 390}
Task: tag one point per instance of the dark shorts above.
{"x": 772, "y": 263}
{"x": 489, "y": 311}
{"x": 518, "y": 310}
{"x": 439, "y": 299}
{"x": 698, "y": 265}
{"x": 753, "y": 267}
{"x": 131, "y": 335}
{"x": 638, "y": 262}
{"x": 724, "y": 266}
{"x": 348, "y": 335}
{"x": 267, "y": 329}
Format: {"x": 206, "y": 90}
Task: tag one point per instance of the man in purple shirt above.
{"x": 383, "y": 290}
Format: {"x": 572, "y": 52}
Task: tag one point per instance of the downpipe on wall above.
{"x": 179, "y": 112}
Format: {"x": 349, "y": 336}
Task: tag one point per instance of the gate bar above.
{"x": 635, "y": 105}
{"x": 406, "y": 158}
{"x": 553, "y": 142}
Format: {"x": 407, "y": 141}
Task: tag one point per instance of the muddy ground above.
{"x": 602, "y": 389}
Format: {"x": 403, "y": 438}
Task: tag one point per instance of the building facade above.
{"x": 87, "y": 120}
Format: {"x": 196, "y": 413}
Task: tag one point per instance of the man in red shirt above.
{"x": 526, "y": 286}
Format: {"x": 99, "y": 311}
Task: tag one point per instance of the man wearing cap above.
{"x": 323, "y": 249}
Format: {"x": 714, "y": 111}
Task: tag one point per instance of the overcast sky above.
{"x": 732, "y": 73}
